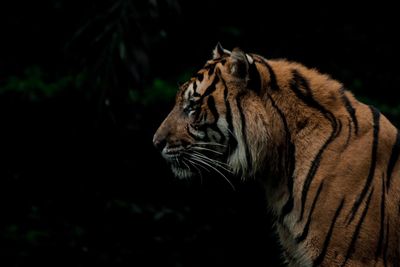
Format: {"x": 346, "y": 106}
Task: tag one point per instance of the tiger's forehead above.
{"x": 194, "y": 87}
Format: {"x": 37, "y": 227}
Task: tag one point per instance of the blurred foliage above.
{"x": 34, "y": 86}
{"x": 160, "y": 90}
{"x": 114, "y": 44}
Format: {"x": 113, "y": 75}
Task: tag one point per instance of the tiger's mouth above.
{"x": 196, "y": 160}
{"x": 173, "y": 155}
{"x": 176, "y": 160}
{"x": 169, "y": 152}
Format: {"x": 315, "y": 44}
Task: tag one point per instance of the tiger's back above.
{"x": 346, "y": 180}
{"x": 329, "y": 162}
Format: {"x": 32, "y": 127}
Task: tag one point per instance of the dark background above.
{"x": 85, "y": 84}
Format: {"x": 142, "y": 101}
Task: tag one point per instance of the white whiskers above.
{"x": 200, "y": 160}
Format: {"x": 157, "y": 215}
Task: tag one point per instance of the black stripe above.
{"x": 232, "y": 139}
{"x": 304, "y": 234}
{"x": 350, "y": 109}
{"x": 198, "y": 117}
{"x": 194, "y": 136}
{"x": 297, "y": 82}
{"x": 393, "y": 159}
{"x": 195, "y": 94}
{"x": 215, "y": 128}
{"x": 273, "y": 84}
{"x": 289, "y": 159}
{"x": 199, "y": 76}
{"x": 381, "y": 231}
{"x": 338, "y": 128}
{"x": 225, "y": 90}
{"x": 289, "y": 205}
{"x": 357, "y": 230}
{"x": 214, "y": 125}
{"x": 360, "y": 198}
{"x": 301, "y": 82}
{"x": 194, "y": 86}
{"x": 210, "y": 67}
{"x": 254, "y": 82}
{"x": 243, "y": 120}
{"x": 210, "y": 89}
{"x": 211, "y": 71}
{"x": 311, "y": 173}
{"x": 349, "y": 135}
{"x": 321, "y": 256}
{"x": 195, "y": 105}
{"x": 283, "y": 118}
{"x": 190, "y": 133}
{"x": 212, "y": 108}
{"x": 203, "y": 117}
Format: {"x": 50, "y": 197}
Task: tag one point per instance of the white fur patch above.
{"x": 223, "y": 126}
{"x": 238, "y": 161}
{"x": 227, "y": 51}
{"x": 249, "y": 59}
{"x": 189, "y": 91}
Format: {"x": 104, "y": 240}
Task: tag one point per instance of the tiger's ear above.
{"x": 240, "y": 63}
{"x": 219, "y": 51}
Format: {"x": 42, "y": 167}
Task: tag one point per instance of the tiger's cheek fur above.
{"x": 252, "y": 133}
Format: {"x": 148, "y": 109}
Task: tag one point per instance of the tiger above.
{"x": 328, "y": 162}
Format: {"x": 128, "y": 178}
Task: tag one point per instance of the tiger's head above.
{"x": 218, "y": 121}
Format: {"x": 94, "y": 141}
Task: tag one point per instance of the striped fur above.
{"x": 329, "y": 162}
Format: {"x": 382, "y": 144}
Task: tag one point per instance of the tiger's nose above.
{"x": 159, "y": 142}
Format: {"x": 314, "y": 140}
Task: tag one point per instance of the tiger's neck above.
{"x": 301, "y": 120}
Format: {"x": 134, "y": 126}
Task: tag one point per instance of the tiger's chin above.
{"x": 182, "y": 173}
